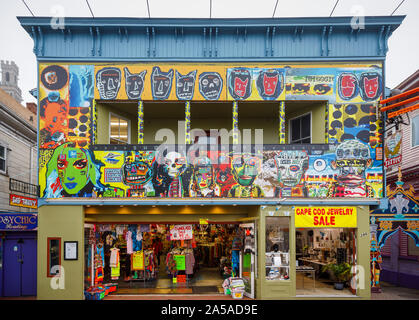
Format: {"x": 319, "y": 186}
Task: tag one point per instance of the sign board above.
{"x": 21, "y": 201}
{"x": 181, "y": 232}
{"x": 393, "y": 149}
{"x": 203, "y": 221}
{"x": 18, "y": 221}
{"x": 325, "y": 217}
{"x": 180, "y": 262}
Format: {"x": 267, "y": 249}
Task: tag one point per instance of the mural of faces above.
{"x": 134, "y": 84}
{"x": 54, "y": 77}
{"x": 55, "y": 116}
{"x": 185, "y": 85}
{"x": 270, "y": 84}
{"x": 347, "y": 86}
{"x": 210, "y": 85}
{"x": 245, "y": 168}
{"x": 352, "y": 158}
{"x": 137, "y": 169}
{"x": 174, "y": 164}
{"x": 108, "y": 82}
{"x": 203, "y": 174}
{"x": 161, "y": 83}
{"x": 370, "y": 84}
{"x": 240, "y": 83}
{"x": 291, "y": 167}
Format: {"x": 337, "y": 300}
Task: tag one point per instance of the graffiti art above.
{"x": 138, "y": 171}
{"x": 223, "y": 176}
{"x": 169, "y": 177}
{"x": 134, "y": 84}
{"x": 54, "y": 77}
{"x": 185, "y": 85}
{"x": 240, "y": 83}
{"x": 347, "y": 86}
{"x": 270, "y": 83}
{"x": 210, "y": 85}
{"x": 370, "y": 86}
{"x": 108, "y": 82}
{"x": 79, "y": 126}
{"x": 203, "y": 179}
{"x": 161, "y": 83}
{"x": 82, "y": 85}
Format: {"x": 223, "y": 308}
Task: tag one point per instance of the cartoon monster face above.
{"x": 352, "y": 158}
{"x": 73, "y": 169}
{"x": 245, "y": 168}
{"x": 240, "y": 83}
{"x": 54, "y": 115}
{"x": 137, "y": 169}
{"x": 203, "y": 173}
{"x": 134, "y": 84}
{"x": 270, "y": 84}
{"x": 108, "y": 82}
{"x": 210, "y": 85}
{"x": 347, "y": 86}
{"x": 370, "y": 83}
{"x": 161, "y": 83}
{"x": 291, "y": 167}
{"x": 185, "y": 85}
{"x": 174, "y": 164}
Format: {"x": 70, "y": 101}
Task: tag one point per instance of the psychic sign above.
{"x": 325, "y": 217}
{"x": 181, "y": 232}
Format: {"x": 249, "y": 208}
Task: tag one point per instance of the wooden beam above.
{"x": 401, "y": 95}
{"x": 398, "y": 104}
{"x": 402, "y": 111}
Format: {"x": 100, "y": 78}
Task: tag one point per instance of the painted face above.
{"x": 370, "y": 83}
{"x": 245, "y": 168}
{"x": 161, "y": 83}
{"x": 137, "y": 169}
{"x": 347, "y": 86}
{"x": 175, "y": 164}
{"x": 291, "y": 167}
{"x": 270, "y": 84}
{"x": 73, "y": 169}
{"x": 56, "y": 117}
{"x": 134, "y": 83}
{"x": 210, "y": 85}
{"x": 240, "y": 83}
{"x": 185, "y": 85}
{"x": 203, "y": 176}
{"x": 352, "y": 158}
{"x": 108, "y": 82}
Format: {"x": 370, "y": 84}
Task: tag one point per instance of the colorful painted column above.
{"x": 235, "y": 122}
{"x": 326, "y": 127}
{"x": 140, "y": 122}
{"x": 282, "y": 122}
{"x": 94, "y": 122}
{"x": 187, "y": 122}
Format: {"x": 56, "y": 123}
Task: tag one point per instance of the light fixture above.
{"x": 155, "y": 205}
{"x": 88, "y": 206}
{"x": 201, "y": 204}
{"x": 121, "y": 206}
{"x": 234, "y": 204}
{"x": 169, "y": 205}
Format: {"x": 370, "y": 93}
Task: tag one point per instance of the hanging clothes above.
{"x": 128, "y": 238}
{"x": 137, "y": 260}
{"x": 190, "y": 263}
{"x": 114, "y": 259}
{"x": 116, "y": 272}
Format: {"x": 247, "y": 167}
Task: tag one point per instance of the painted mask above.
{"x": 108, "y": 82}
{"x": 73, "y": 169}
{"x": 352, "y": 158}
{"x": 134, "y": 84}
{"x": 185, "y": 85}
{"x": 137, "y": 169}
{"x": 161, "y": 83}
{"x": 54, "y": 77}
{"x": 175, "y": 164}
{"x": 291, "y": 167}
{"x": 370, "y": 83}
{"x": 347, "y": 86}
{"x": 245, "y": 168}
{"x": 203, "y": 173}
{"x": 270, "y": 84}
{"x": 210, "y": 85}
{"x": 240, "y": 83}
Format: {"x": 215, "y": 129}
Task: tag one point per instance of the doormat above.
{"x": 205, "y": 289}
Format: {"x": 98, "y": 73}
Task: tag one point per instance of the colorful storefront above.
{"x": 268, "y": 159}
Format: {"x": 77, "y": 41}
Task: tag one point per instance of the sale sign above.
{"x": 21, "y": 201}
{"x": 181, "y": 232}
{"x": 325, "y": 217}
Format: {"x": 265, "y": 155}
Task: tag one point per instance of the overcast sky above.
{"x": 16, "y": 44}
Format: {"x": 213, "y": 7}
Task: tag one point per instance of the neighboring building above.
{"x": 18, "y": 185}
{"x": 271, "y": 212}
{"x": 400, "y": 253}
{"x": 9, "y": 79}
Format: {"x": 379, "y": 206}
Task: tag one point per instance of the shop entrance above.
{"x": 170, "y": 258}
{"x": 325, "y": 258}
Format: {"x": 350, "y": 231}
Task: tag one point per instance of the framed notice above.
{"x": 70, "y": 250}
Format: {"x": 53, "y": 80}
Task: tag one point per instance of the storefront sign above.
{"x": 181, "y": 232}
{"x": 18, "y": 222}
{"x": 21, "y": 201}
{"x": 325, "y": 217}
{"x": 392, "y": 149}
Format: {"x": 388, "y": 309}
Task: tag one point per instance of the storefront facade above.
{"x": 289, "y": 146}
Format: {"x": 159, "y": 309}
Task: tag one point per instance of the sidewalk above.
{"x": 392, "y": 292}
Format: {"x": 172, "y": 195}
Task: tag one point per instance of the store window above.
{"x": 300, "y": 129}
{"x": 277, "y": 248}
{"x": 54, "y": 256}
{"x": 119, "y": 130}
{"x": 3, "y": 159}
{"x": 415, "y": 131}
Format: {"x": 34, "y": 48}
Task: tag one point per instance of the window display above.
{"x": 277, "y": 256}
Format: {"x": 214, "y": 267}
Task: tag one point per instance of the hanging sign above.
{"x": 181, "y": 232}
{"x": 203, "y": 221}
{"x": 325, "y": 217}
{"x": 18, "y": 222}
{"x": 392, "y": 149}
{"x": 21, "y": 201}
{"x": 180, "y": 262}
